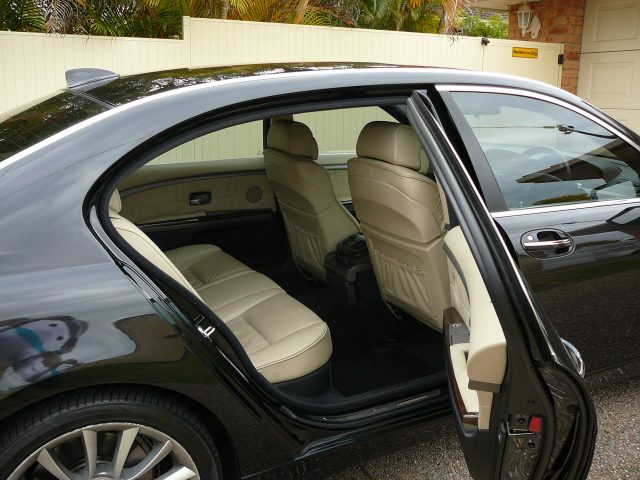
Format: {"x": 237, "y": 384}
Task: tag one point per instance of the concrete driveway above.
{"x": 438, "y": 455}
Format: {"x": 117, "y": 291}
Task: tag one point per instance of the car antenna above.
{"x": 78, "y": 77}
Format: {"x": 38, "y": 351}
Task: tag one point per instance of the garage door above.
{"x": 610, "y": 63}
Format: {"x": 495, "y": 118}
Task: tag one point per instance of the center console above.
{"x": 350, "y": 273}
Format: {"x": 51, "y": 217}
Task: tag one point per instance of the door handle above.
{"x": 547, "y": 243}
{"x": 576, "y": 356}
{"x": 540, "y": 246}
{"x": 199, "y": 198}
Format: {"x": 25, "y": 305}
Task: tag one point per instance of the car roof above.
{"x": 89, "y": 101}
{"x": 125, "y": 89}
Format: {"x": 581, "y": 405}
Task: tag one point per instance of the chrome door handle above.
{"x": 576, "y": 356}
{"x": 547, "y": 245}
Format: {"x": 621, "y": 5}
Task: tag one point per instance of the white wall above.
{"x": 33, "y": 64}
{"x": 336, "y": 131}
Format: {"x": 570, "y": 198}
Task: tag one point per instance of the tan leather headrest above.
{"x": 392, "y": 143}
{"x": 115, "y": 204}
{"x": 293, "y": 138}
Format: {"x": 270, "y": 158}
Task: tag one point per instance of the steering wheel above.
{"x": 554, "y": 157}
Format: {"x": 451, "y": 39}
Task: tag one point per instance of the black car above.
{"x": 243, "y": 272}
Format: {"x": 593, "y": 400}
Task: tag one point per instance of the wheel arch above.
{"x": 223, "y": 440}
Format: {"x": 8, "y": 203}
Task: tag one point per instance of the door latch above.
{"x": 204, "y": 327}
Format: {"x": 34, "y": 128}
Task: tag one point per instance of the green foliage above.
{"x": 425, "y": 16}
{"x": 21, "y": 15}
{"x": 473, "y": 26}
{"x": 163, "y": 18}
{"x": 314, "y": 17}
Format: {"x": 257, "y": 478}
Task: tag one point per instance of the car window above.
{"x": 336, "y": 131}
{"x": 239, "y": 142}
{"x": 28, "y": 125}
{"x": 543, "y": 154}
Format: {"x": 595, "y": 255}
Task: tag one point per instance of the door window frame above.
{"x": 488, "y": 184}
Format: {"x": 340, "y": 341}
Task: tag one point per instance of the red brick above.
{"x": 562, "y": 22}
{"x": 567, "y": 38}
{"x": 576, "y": 39}
{"x": 570, "y": 74}
{"x": 571, "y": 64}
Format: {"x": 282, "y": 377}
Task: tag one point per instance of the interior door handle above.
{"x": 199, "y": 198}
{"x": 539, "y": 246}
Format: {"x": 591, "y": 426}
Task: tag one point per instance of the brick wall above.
{"x": 562, "y": 22}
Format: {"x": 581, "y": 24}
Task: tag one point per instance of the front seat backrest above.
{"x": 314, "y": 218}
{"x": 401, "y": 216}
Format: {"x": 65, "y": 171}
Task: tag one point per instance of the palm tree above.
{"x": 309, "y": 12}
{"x": 411, "y": 15}
{"x": 163, "y": 18}
{"x": 21, "y": 15}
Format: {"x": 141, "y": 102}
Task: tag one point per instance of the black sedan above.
{"x": 242, "y": 272}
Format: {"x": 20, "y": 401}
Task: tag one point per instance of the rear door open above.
{"x": 520, "y": 407}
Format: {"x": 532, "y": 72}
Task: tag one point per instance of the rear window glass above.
{"x": 22, "y": 130}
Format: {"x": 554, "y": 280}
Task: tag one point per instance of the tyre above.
{"x": 108, "y": 433}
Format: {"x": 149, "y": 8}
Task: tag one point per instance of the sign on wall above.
{"x": 522, "y": 52}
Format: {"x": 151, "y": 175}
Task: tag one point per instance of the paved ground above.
{"x": 439, "y": 456}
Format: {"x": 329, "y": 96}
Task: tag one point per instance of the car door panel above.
{"x": 157, "y": 193}
{"x": 240, "y": 215}
{"x": 591, "y": 291}
{"x": 535, "y": 158}
{"x": 336, "y": 166}
{"x": 479, "y": 363}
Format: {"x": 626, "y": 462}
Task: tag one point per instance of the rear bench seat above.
{"x": 283, "y": 338}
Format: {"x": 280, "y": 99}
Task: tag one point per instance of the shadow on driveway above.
{"x": 437, "y": 455}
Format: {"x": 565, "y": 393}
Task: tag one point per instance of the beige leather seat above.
{"x": 283, "y": 338}
{"x": 314, "y": 219}
{"x": 402, "y": 220}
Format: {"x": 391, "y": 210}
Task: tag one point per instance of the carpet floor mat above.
{"x": 372, "y": 349}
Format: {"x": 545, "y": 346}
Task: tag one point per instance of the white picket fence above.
{"x": 33, "y": 64}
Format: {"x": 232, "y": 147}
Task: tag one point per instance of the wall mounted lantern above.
{"x": 527, "y": 21}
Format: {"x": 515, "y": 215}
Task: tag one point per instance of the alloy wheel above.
{"x": 109, "y": 451}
